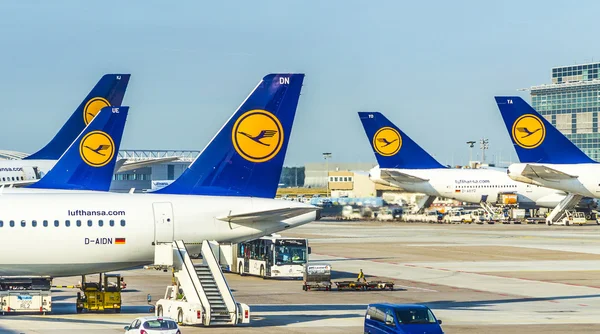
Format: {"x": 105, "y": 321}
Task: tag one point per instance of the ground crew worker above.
{"x": 361, "y": 276}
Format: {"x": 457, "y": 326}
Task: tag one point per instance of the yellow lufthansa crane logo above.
{"x": 528, "y": 131}
{"x": 387, "y": 141}
{"x": 97, "y": 148}
{"x": 257, "y": 135}
{"x": 92, "y": 107}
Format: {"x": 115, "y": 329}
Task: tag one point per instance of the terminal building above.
{"x": 154, "y": 176}
{"x": 571, "y": 103}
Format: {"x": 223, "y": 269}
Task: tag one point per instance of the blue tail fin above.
{"x": 392, "y": 147}
{"x": 246, "y": 156}
{"x": 109, "y": 91}
{"x": 89, "y": 163}
{"x": 534, "y": 138}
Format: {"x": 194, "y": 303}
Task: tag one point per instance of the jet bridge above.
{"x": 201, "y": 294}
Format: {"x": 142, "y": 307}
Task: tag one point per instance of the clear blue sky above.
{"x": 433, "y": 67}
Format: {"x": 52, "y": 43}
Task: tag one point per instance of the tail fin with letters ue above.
{"x": 89, "y": 163}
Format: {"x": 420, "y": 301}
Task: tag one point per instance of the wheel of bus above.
{"x": 180, "y": 316}
{"x": 159, "y": 311}
{"x": 262, "y": 271}
{"x": 79, "y": 310}
{"x": 118, "y": 310}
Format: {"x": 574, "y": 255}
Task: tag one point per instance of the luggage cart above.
{"x": 316, "y": 276}
{"x": 367, "y": 286}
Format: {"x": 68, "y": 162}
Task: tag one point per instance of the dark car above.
{"x": 401, "y": 319}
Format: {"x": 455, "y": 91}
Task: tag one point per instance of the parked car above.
{"x": 401, "y": 318}
{"x": 150, "y": 325}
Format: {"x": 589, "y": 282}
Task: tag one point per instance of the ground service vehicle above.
{"x": 100, "y": 296}
{"x": 25, "y": 301}
{"x": 273, "y": 256}
{"x": 175, "y": 306}
{"x": 152, "y": 325}
{"x": 385, "y": 215}
{"x": 317, "y": 276}
{"x": 401, "y": 318}
{"x": 454, "y": 217}
{"x": 572, "y": 218}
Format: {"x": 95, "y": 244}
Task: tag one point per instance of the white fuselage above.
{"x": 473, "y": 186}
{"x": 62, "y": 250}
{"x": 586, "y": 183}
{"x": 15, "y": 171}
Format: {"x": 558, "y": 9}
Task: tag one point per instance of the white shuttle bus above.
{"x": 273, "y": 257}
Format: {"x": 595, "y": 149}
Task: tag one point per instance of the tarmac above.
{"x": 476, "y": 278}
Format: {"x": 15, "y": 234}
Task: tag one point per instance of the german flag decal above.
{"x": 119, "y": 241}
{"x": 456, "y": 191}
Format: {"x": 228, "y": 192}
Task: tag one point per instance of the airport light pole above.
{"x": 471, "y": 143}
{"x": 327, "y": 156}
{"x": 484, "y": 145}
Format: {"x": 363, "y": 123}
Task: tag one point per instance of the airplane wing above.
{"x": 131, "y": 165}
{"x": 396, "y": 177}
{"x": 276, "y": 215}
{"x": 545, "y": 173}
{"x": 18, "y": 184}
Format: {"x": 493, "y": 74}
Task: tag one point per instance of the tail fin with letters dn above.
{"x": 392, "y": 147}
{"x": 109, "y": 91}
{"x": 245, "y": 158}
{"x": 535, "y": 139}
{"x": 89, "y": 163}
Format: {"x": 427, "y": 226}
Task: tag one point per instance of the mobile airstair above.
{"x": 201, "y": 294}
{"x": 561, "y": 210}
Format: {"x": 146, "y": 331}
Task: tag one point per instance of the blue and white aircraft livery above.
{"x": 547, "y": 157}
{"x": 109, "y": 91}
{"x": 225, "y": 195}
{"x": 404, "y": 164}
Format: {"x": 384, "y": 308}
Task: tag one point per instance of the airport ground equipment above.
{"x": 361, "y": 283}
{"x": 100, "y": 296}
{"x": 368, "y": 285}
{"x": 572, "y": 218}
{"x": 25, "y": 294}
{"x": 317, "y": 276}
{"x": 201, "y": 294}
{"x": 561, "y": 210}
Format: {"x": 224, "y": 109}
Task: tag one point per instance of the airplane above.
{"x": 404, "y": 164}
{"x": 89, "y": 162}
{"x": 109, "y": 91}
{"x": 226, "y": 195}
{"x": 547, "y": 157}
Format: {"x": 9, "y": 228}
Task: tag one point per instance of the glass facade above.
{"x": 575, "y": 73}
{"x": 572, "y": 104}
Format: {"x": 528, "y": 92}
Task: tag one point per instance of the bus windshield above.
{"x": 290, "y": 254}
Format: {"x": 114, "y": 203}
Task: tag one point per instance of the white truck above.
{"x": 572, "y": 218}
{"x": 175, "y": 306}
{"x": 457, "y": 217}
{"x": 13, "y": 301}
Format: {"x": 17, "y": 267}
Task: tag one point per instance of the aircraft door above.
{"x": 164, "y": 225}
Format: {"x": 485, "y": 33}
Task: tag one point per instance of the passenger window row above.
{"x": 12, "y": 178}
{"x": 67, "y": 223}
{"x": 488, "y": 186}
